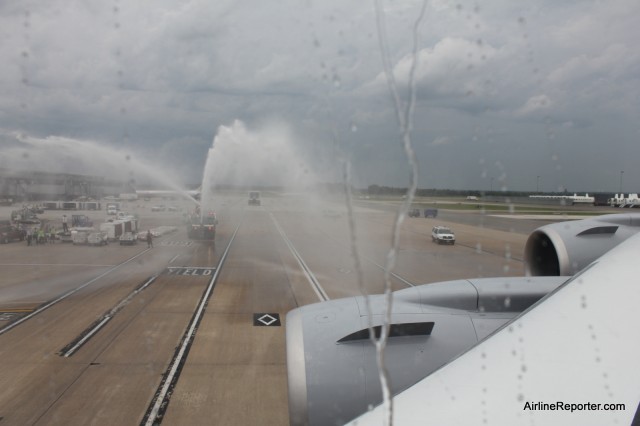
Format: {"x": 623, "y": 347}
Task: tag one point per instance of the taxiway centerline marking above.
{"x": 313, "y": 281}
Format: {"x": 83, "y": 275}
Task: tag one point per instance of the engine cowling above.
{"x": 331, "y": 362}
{"x": 567, "y": 247}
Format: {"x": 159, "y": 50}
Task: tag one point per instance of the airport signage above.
{"x": 266, "y": 320}
{"x": 195, "y": 272}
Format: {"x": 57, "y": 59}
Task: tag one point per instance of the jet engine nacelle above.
{"x": 331, "y": 362}
{"x": 332, "y": 372}
{"x": 567, "y": 247}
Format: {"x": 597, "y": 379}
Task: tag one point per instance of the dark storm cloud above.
{"x": 498, "y": 83}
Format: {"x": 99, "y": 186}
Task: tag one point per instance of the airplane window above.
{"x": 199, "y": 201}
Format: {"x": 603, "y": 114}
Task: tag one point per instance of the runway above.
{"x": 91, "y": 335}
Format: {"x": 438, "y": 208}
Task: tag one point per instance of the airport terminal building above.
{"x": 21, "y": 186}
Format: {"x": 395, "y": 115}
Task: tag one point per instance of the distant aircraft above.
{"x": 546, "y": 362}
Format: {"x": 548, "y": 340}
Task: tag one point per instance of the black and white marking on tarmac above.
{"x": 72, "y": 347}
{"x": 8, "y": 316}
{"x": 313, "y": 281}
{"x": 266, "y": 320}
{"x": 194, "y": 271}
{"x": 160, "y": 402}
{"x": 173, "y": 243}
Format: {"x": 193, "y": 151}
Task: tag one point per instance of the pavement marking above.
{"x": 174, "y": 258}
{"x": 162, "y": 397}
{"x": 172, "y": 243}
{"x": 266, "y": 320}
{"x": 7, "y": 316}
{"x": 190, "y": 270}
{"x": 86, "y": 337}
{"x": 367, "y": 259}
{"x": 393, "y": 274}
{"x": 313, "y": 281}
{"x": 105, "y": 318}
{"x": 67, "y": 294}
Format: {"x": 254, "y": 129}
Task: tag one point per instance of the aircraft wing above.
{"x": 575, "y": 351}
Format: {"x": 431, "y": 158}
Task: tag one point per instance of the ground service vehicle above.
{"x": 128, "y": 238}
{"x": 97, "y": 239}
{"x": 10, "y": 233}
{"x": 81, "y": 220}
{"x": 443, "y": 235}
{"x": 414, "y": 213}
{"x": 254, "y": 198}
{"x": 430, "y": 212}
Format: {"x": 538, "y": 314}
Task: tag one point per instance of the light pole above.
{"x": 621, "y": 173}
{"x": 491, "y": 185}
{"x": 538, "y": 184}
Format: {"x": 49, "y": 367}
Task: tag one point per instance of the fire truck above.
{"x": 202, "y": 227}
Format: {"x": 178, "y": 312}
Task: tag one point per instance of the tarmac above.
{"x": 127, "y": 312}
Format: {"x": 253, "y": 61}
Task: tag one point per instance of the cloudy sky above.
{"x": 506, "y": 91}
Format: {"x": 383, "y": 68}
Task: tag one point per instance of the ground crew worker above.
{"x": 65, "y": 226}
{"x": 149, "y": 239}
